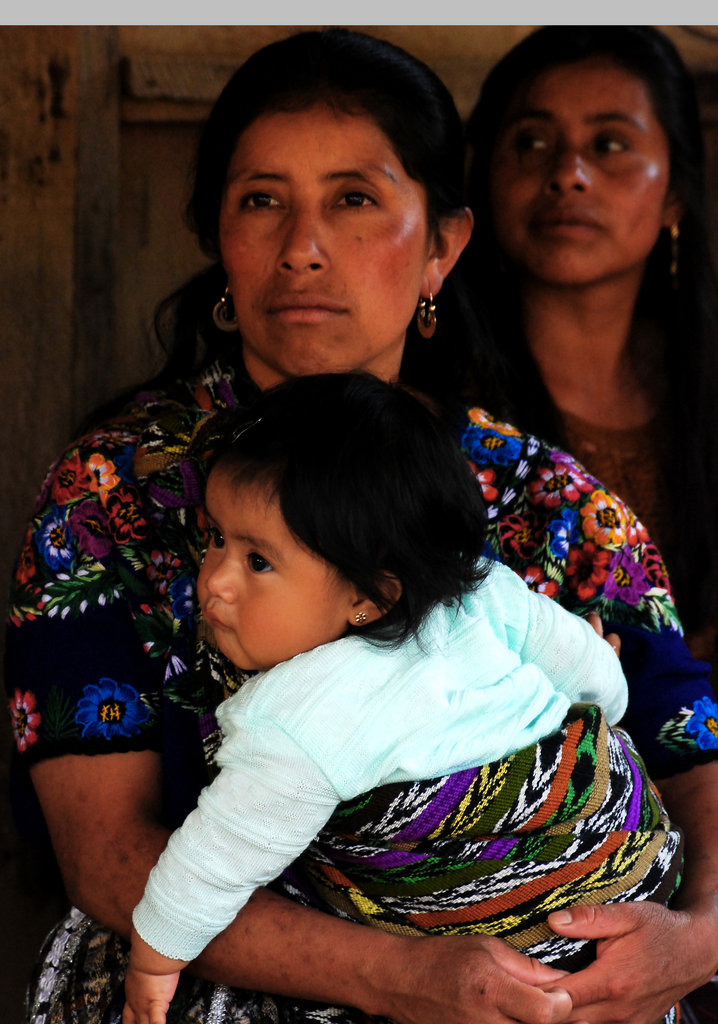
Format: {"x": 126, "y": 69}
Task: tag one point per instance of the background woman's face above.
{"x": 325, "y": 241}
{"x": 580, "y": 175}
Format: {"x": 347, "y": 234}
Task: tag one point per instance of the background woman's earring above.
{"x": 426, "y": 317}
{"x": 221, "y": 315}
{"x": 675, "y": 234}
{"x": 359, "y": 618}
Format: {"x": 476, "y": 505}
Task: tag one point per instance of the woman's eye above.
{"x": 258, "y": 201}
{"x": 357, "y": 199}
{"x": 257, "y": 563}
{"x": 216, "y": 540}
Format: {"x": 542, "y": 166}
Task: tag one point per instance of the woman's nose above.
{"x": 568, "y": 172}
{"x": 302, "y": 248}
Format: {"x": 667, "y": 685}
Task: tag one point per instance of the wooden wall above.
{"x": 97, "y": 131}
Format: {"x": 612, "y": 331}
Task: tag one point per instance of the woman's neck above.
{"x": 579, "y": 339}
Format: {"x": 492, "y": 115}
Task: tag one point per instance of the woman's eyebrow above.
{"x": 599, "y": 117}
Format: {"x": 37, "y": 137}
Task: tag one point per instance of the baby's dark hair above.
{"x": 369, "y": 479}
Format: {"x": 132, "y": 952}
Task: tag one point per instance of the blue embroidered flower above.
{"x": 123, "y": 463}
{"x": 111, "y": 709}
{"x": 55, "y": 541}
{"x": 564, "y": 532}
{"x": 182, "y": 594}
{"x": 703, "y": 724}
{"x": 491, "y": 446}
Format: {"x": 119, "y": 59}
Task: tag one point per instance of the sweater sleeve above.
{"x": 579, "y": 662}
{"x": 265, "y": 806}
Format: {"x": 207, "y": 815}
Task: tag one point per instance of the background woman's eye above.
{"x": 257, "y": 563}
{"x": 610, "y": 144}
{"x": 529, "y": 142}
{"x": 216, "y": 539}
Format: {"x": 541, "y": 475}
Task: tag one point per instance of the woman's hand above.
{"x": 472, "y": 980}
{"x": 648, "y": 957}
{"x": 612, "y": 639}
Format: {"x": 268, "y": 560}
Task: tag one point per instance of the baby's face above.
{"x": 265, "y": 596}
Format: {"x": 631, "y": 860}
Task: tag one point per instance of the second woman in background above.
{"x": 592, "y": 257}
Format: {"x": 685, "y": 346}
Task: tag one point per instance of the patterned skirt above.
{"x": 494, "y": 849}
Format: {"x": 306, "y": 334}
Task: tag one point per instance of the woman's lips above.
{"x": 569, "y": 222}
{"x": 305, "y": 308}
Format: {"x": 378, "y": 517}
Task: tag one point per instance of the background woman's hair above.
{"x": 686, "y": 314}
{"x": 369, "y": 479}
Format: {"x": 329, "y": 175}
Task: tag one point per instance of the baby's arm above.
{"x": 575, "y": 657}
{"x": 150, "y": 983}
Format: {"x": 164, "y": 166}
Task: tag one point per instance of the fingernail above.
{"x": 562, "y": 917}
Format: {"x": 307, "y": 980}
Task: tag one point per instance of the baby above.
{"x": 345, "y": 567}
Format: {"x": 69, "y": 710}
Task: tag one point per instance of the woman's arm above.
{"x": 650, "y": 957}
{"x": 102, "y": 813}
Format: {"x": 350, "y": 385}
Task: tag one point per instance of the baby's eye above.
{"x": 216, "y": 540}
{"x": 357, "y": 199}
{"x": 257, "y": 563}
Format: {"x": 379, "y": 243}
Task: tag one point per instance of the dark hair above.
{"x": 369, "y": 479}
{"x": 687, "y": 314}
{"x": 353, "y": 72}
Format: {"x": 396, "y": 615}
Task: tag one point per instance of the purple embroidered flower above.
{"x": 626, "y": 580}
{"x": 88, "y": 523}
{"x": 703, "y": 723}
{"x": 55, "y": 541}
{"x": 111, "y": 709}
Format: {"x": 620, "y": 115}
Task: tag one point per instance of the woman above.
{"x": 592, "y": 250}
{"x": 321, "y": 253}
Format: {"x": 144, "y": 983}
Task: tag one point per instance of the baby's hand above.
{"x": 148, "y": 996}
{"x": 612, "y": 639}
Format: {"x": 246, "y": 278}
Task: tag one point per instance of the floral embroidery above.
{"x": 24, "y": 719}
{"x": 104, "y": 477}
{"x": 125, "y": 518}
{"x": 111, "y": 709}
{"x": 563, "y": 532}
{"x": 555, "y": 484}
{"x": 54, "y": 540}
{"x": 704, "y": 723}
{"x": 536, "y": 579}
{"x": 71, "y": 481}
{"x": 587, "y": 569}
{"x": 163, "y": 566}
{"x": 518, "y": 534}
{"x": 626, "y": 580}
{"x": 501, "y": 448}
{"x": 88, "y": 522}
{"x": 604, "y": 519}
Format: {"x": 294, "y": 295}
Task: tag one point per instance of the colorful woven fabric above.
{"x": 494, "y": 849}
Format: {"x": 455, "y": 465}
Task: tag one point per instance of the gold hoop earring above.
{"x": 673, "y": 270}
{"x": 359, "y": 618}
{"x": 426, "y": 316}
{"x": 221, "y": 315}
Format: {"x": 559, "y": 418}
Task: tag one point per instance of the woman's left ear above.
{"x": 450, "y": 240}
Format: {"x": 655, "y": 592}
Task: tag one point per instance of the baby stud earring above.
{"x": 359, "y": 618}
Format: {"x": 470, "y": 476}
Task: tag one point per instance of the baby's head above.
{"x": 364, "y": 478}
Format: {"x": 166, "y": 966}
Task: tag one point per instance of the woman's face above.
{"x": 326, "y": 245}
{"x": 579, "y": 177}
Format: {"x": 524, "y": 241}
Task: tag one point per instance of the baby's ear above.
{"x": 364, "y": 610}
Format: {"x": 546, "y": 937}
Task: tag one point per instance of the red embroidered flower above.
{"x": 125, "y": 518}
{"x": 24, "y": 718}
{"x": 26, "y": 567}
{"x": 536, "y": 579}
{"x": 71, "y": 480}
{"x": 161, "y": 569}
{"x": 556, "y": 484}
{"x": 518, "y": 536}
{"x": 486, "y": 478}
{"x": 587, "y": 568}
